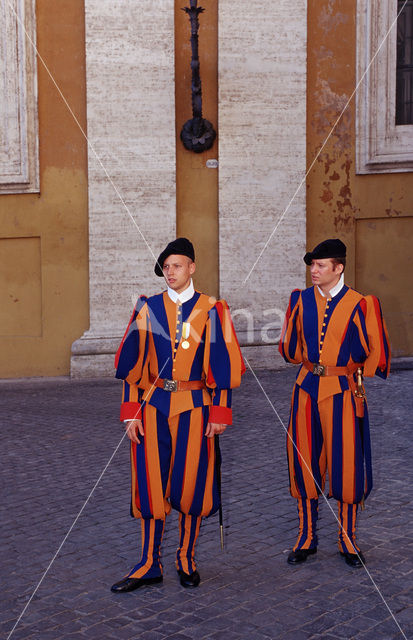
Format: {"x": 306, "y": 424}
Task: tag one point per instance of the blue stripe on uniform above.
{"x": 130, "y": 347}
{"x": 160, "y": 334}
{"x": 336, "y": 480}
{"x": 310, "y": 328}
{"x": 199, "y": 490}
{"x": 358, "y": 453}
{"x": 219, "y": 359}
{"x": 317, "y": 442}
{"x": 161, "y": 400}
{"x": 129, "y": 353}
{"x": 198, "y": 362}
{"x": 188, "y": 306}
{"x": 178, "y": 471}
{"x": 141, "y": 477}
{"x": 292, "y": 346}
{"x": 297, "y": 467}
{"x": 365, "y": 430}
{"x": 164, "y": 447}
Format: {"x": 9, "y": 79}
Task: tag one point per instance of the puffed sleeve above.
{"x": 377, "y": 340}
{"x": 290, "y": 345}
{"x": 223, "y": 362}
{"x": 130, "y": 360}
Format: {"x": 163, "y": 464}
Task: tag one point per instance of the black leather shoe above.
{"x": 353, "y": 559}
{"x": 299, "y": 556}
{"x": 130, "y": 584}
{"x": 189, "y": 580}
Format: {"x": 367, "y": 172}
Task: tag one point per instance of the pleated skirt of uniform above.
{"x": 174, "y": 466}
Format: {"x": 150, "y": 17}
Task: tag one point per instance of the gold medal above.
{"x": 186, "y": 330}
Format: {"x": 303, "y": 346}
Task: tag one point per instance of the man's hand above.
{"x": 133, "y": 428}
{"x": 213, "y": 428}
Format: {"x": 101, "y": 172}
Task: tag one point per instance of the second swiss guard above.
{"x": 337, "y": 336}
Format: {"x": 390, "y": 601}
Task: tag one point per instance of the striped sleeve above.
{"x": 223, "y": 362}
{"x": 379, "y": 354}
{"x": 290, "y": 346}
{"x": 130, "y": 360}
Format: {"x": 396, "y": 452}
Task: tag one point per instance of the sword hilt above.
{"x": 359, "y": 392}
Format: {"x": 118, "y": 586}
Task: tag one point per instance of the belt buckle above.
{"x": 319, "y": 370}
{"x": 170, "y": 385}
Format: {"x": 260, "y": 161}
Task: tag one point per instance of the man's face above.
{"x": 325, "y": 273}
{"x": 178, "y": 271}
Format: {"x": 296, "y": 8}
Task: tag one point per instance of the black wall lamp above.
{"x": 197, "y": 134}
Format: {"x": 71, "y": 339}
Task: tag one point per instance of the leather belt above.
{"x": 177, "y": 385}
{"x": 326, "y": 370}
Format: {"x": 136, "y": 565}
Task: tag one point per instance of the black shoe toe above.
{"x": 189, "y": 580}
{"x": 300, "y": 555}
{"x": 130, "y": 584}
{"x": 354, "y": 560}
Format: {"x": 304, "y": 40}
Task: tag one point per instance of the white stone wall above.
{"x": 131, "y": 129}
{"x": 19, "y": 140}
{"x": 262, "y": 159}
{"x": 131, "y": 126}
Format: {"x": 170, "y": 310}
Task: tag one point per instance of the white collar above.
{"x": 336, "y": 289}
{"x": 184, "y": 296}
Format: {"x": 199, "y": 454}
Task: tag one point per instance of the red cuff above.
{"x": 220, "y": 415}
{"x": 130, "y": 411}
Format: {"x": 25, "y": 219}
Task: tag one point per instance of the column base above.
{"x": 263, "y": 356}
{"x": 93, "y": 356}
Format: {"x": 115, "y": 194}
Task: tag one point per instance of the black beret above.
{"x": 178, "y": 247}
{"x": 332, "y": 248}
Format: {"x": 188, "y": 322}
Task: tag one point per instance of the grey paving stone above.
{"x": 293, "y": 635}
{"x": 229, "y": 635}
{"x": 248, "y": 591}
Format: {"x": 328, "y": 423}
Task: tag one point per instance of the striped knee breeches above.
{"x": 174, "y": 465}
{"x": 328, "y": 435}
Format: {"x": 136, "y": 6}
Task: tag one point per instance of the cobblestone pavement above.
{"x": 57, "y": 437}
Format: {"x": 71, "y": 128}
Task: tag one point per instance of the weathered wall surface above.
{"x": 372, "y": 214}
{"x": 43, "y": 236}
{"x": 262, "y": 122}
{"x": 131, "y": 129}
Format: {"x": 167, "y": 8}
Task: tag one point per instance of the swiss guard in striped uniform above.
{"x": 179, "y": 360}
{"x": 337, "y": 335}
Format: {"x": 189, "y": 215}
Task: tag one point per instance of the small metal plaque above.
{"x": 319, "y": 370}
{"x": 212, "y": 163}
{"x": 170, "y": 385}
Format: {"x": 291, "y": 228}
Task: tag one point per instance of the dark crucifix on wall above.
{"x": 197, "y": 133}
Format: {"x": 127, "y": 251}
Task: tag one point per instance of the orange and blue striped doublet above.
{"x": 174, "y": 465}
{"x": 329, "y": 427}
